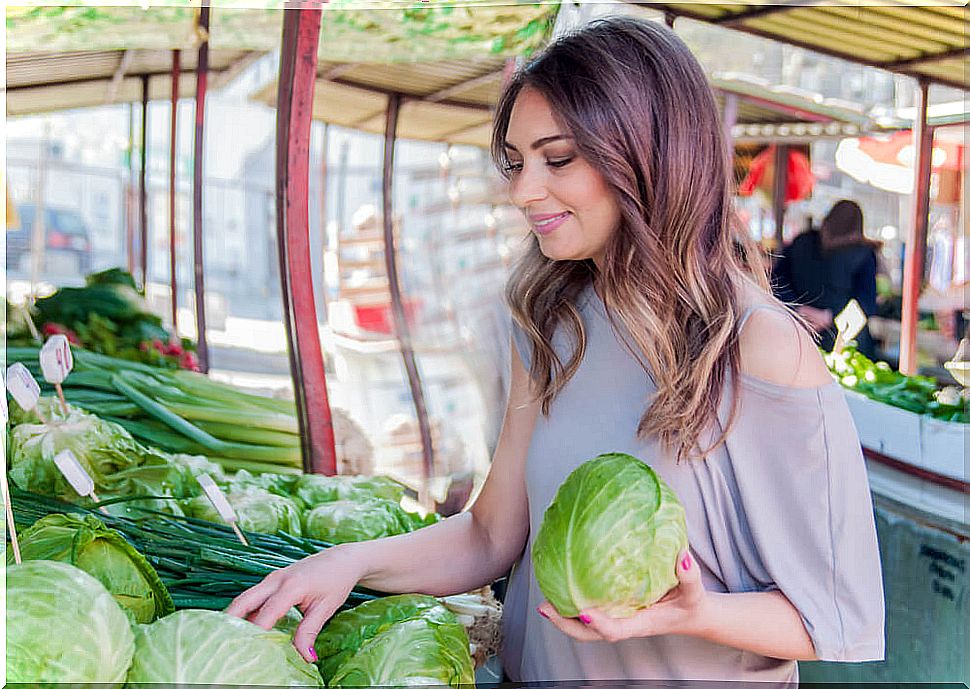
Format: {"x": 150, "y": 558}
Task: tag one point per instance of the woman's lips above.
{"x": 547, "y": 226}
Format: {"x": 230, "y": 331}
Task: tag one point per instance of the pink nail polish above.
{"x": 685, "y": 563}
{"x": 313, "y": 653}
{"x": 540, "y": 611}
{"x": 585, "y": 619}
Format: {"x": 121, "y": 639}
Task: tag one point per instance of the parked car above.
{"x": 66, "y": 233}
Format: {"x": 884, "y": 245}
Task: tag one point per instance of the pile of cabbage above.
{"x": 609, "y": 539}
{"x": 336, "y": 509}
{"x": 65, "y": 626}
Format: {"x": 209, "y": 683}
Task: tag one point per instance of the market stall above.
{"x": 195, "y": 490}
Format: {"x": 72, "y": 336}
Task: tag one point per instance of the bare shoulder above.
{"x": 777, "y": 349}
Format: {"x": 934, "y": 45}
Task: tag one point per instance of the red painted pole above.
{"x": 401, "y": 327}
{"x": 298, "y": 71}
{"x": 173, "y": 278}
{"x": 916, "y": 241}
{"x": 143, "y": 188}
{"x": 201, "y": 80}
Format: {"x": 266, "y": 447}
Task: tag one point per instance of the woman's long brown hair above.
{"x": 642, "y": 113}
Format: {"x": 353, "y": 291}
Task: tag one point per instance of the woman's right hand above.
{"x": 317, "y": 585}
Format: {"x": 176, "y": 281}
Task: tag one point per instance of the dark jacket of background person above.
{"x": 825, "y": 268}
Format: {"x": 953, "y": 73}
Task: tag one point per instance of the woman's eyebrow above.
{"x": 539, "y": 143}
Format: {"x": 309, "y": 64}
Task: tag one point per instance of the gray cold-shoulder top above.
{"x": 783, "y": 504}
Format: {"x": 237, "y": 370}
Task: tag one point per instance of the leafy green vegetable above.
{"x": 399, "y": 640}
{"x": 348, "y": 631}
{"x": 63, "y": 626}
{"x": 88, "y": 544}
{"x": 609, "y": 539}
{"x": 206, "y": 647}
{"x": 258, "y": 510}
{"x": 877, "y": 381}
{"x": 118, "y": 465}
{"x": 346, "y": 521}
{"x": 314, "y": 489}
{"x": 182, "y": 411}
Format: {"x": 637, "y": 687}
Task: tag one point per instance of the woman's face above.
{"x": 567, "y": 202}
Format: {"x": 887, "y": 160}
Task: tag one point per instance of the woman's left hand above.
{"x": 678, "y": 612}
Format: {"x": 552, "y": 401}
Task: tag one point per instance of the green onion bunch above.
{"x": 202, "y": 564}
{"x": 181, "y": 411}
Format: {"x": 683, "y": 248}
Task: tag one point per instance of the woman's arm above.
{"x": 762, "y": 622}
{"x": 458, "y": 554}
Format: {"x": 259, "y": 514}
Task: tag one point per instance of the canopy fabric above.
{"x": 352, "y": 31}
{"x": 96, "y": 55}
{"x": 923, "y": 39}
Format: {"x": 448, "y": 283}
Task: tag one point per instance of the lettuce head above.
{"x": 63, "y": 626}
{"x": 88, "y": 544}
{"x": 609, "y": 539}
{"x": 206, "y": 647}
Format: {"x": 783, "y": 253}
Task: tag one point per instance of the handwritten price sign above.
{"x": 56, "y": 360}
{"x": 22, "y": 386}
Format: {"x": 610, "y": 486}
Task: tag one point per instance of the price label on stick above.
{"x": 56, "y": 359}
{"x": 75, "y": 474}
{"x": 221, "y": 503}
{"x": 22, "y": 386}
{"x": 849, "y": 323}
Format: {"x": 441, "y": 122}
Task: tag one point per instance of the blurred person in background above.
{"x": 823, "y": 269}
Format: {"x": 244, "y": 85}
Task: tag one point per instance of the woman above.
{"x": 821, "y": 270}
{"x": 636, "y": 330}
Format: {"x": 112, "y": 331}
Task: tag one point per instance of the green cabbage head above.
{"x": 315, "y": 489}
{"x": 364, "y": 519}
{"x": 63, "y": 626}
{"x": 87, "y": 543}
{"x": 207, "y": 647}
{"x": 402, "y": 640}
{"x": 609, "y": 539}
{"x": 258, "y": 510}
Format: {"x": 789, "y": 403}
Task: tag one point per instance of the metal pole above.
{"x": 778, "y": 198}
{"x": 143, "y": 187}
{"x": 201, "y": 79}
{"x": 298, "y": 69}
{"x": 916, "y": 242}
{"x": 172, "y": 235}
{"x": 401, "y": 327}
{"x": 130, "y": 193}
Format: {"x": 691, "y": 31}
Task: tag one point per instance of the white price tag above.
{"x": 22, "y": 386}
{"x": 851, "y": 321}
{"x": 56, "y": 360}
{"x": 74, "y": 473}
{"x": 217, "y": 498}
{"x": 4, "y": 414}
